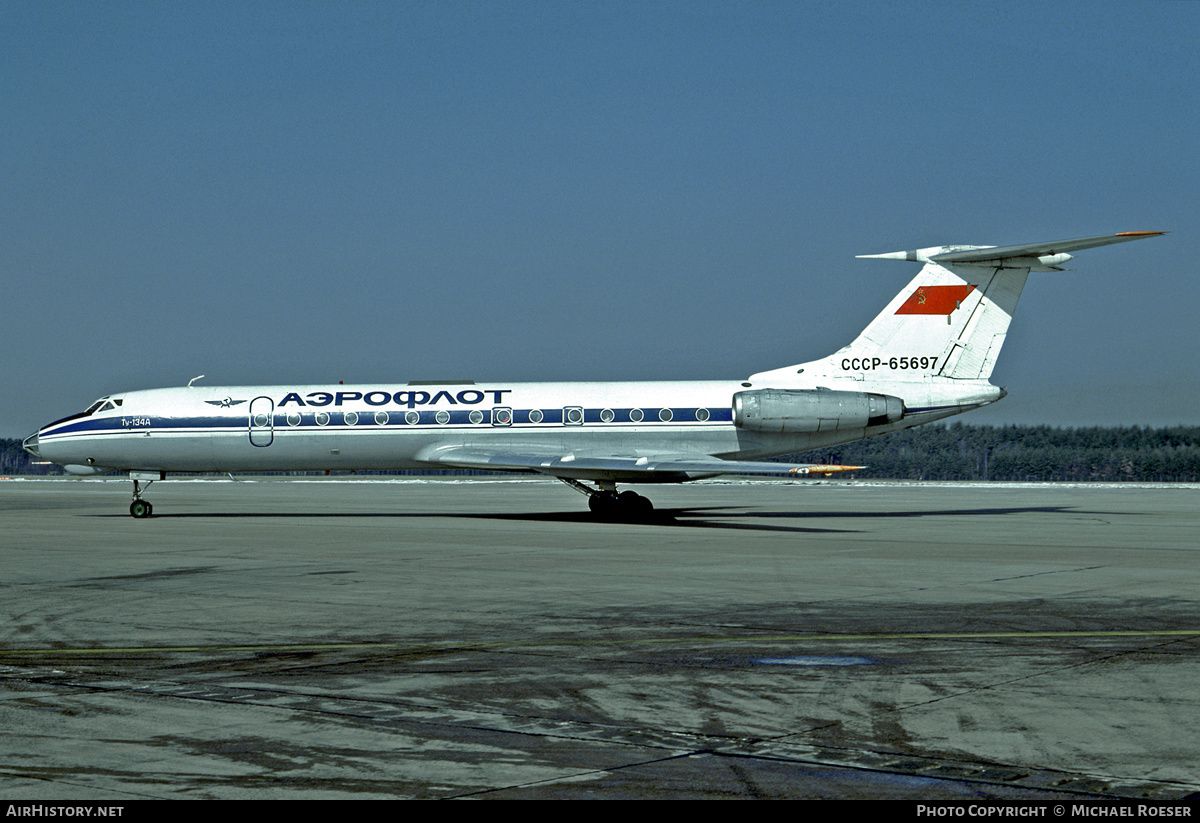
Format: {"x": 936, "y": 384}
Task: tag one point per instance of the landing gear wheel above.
{"x": 634, "y": 503}
{"x": 140, "y": 509}
{"x": 604, "y": 502}
{"x": 627, "y": 505}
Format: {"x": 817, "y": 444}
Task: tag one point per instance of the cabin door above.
{"x": 262, "y": 419}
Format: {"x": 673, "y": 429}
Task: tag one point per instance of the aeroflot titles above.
{"x": 467, "y": 397}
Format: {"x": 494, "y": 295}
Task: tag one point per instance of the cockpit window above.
{"x": 103, "y": 404}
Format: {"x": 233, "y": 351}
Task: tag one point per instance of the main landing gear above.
{"x": 606, "y": 502}
{"x": 140, "y": 508}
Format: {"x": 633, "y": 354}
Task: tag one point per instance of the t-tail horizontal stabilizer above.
{"x": 1048, "y": 256}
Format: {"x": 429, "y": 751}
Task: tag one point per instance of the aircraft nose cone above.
{"x": 30, "y": 444}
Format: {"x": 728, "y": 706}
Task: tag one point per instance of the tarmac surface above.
{"x": 492, "y": 639}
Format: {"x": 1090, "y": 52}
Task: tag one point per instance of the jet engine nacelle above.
{"x": 812, "y": 410}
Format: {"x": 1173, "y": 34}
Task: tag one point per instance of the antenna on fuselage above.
{"x": 194, "y": 379}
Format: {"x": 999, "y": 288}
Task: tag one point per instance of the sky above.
{"x": 272, "y": 193}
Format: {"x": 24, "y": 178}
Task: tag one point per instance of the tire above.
{"x": 603, "y": 503}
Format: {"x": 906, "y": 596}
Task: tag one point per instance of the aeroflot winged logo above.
{"x": 226, "y": 403}
{"x": 935, "y": 299}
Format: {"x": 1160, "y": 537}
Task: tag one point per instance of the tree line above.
{"x": 966, "y": 452}
{"x": 956, "y": 452}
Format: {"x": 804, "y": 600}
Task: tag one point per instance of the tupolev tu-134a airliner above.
{"x": 928, "y": 355}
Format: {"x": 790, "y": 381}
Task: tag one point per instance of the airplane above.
{"x": 928, "y": 355}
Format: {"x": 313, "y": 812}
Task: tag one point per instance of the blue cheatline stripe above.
{"x": 396, "y": 418}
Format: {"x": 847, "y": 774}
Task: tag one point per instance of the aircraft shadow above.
{"x": 708, "y": 517}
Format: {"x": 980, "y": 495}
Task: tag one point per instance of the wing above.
{"x": 644, "y": 469}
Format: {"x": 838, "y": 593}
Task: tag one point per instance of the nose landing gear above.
{"x": 140, "y": 508}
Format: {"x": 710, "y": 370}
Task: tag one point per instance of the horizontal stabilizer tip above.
{"x": 892, "y": 255}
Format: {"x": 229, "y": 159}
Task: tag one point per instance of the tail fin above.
{"x": 952, "y": 318}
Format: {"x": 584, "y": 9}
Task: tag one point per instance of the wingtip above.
{"x": 824, "y": 469}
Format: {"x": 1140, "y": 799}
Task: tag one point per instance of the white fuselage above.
{"x": 388, "y": 427}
